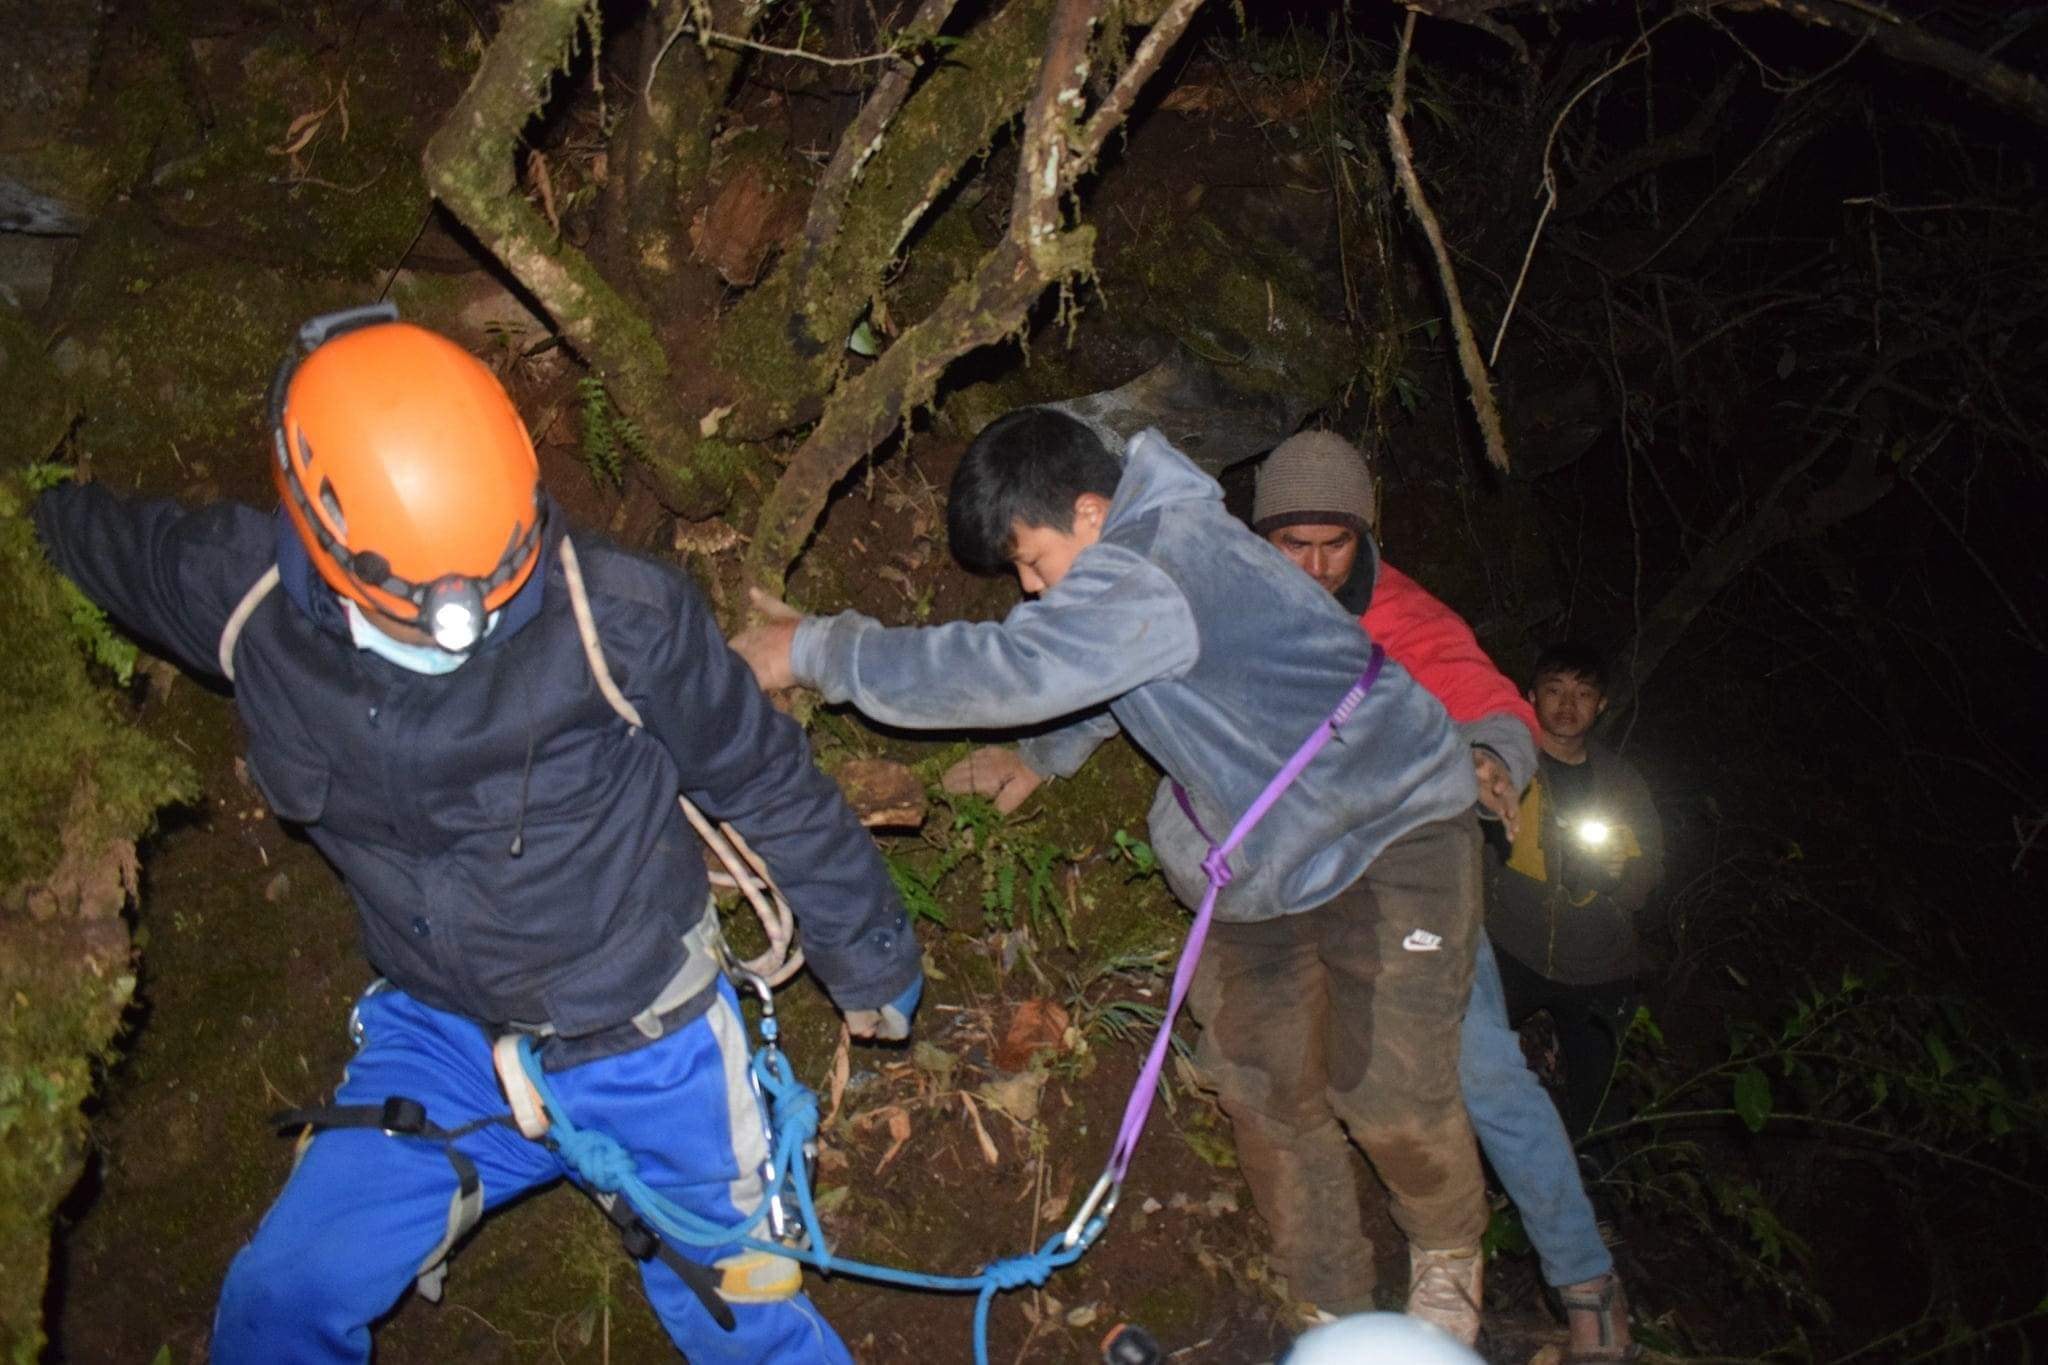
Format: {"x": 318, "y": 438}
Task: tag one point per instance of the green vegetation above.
{"x": 1870, "y": 1068}
{"x": 609, "y": 436}
{"x": 78, "y": 786}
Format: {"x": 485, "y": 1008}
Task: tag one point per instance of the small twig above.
{"x": 735, "y": 41}
{"x": 399, "y": 264}
{"x": 1480, "y": 387}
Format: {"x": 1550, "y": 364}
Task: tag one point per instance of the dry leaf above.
{"x": 1035, "y": 1026}
{"x": 988, "y": 1147}
{"x": 544, "y": 183}
{"x": 1016, "y": 1095}
{"x": 899, "y": 1133}
{"x": 842, "y": 1064}
{"x": 936, "y": 1063}
{"x": 707, "y": 425}
{"x": 303, "y": 130}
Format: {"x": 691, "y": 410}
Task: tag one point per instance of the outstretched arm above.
{"x": 1114, "y": 623}
{"x": 168, "y": 573}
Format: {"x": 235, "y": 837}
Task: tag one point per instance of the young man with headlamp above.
{"x": 436, "y": 680}
{"x": 1566, "y": 908}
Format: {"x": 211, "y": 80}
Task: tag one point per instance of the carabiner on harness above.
{"x": 782, "y": 1224}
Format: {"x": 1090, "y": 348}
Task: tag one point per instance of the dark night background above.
{"x": 1772, "y": 298}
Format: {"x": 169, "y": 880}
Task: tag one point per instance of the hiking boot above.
{"x": 1443, "y": 1288}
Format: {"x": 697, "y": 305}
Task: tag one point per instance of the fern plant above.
{"x": 609, "y": 436}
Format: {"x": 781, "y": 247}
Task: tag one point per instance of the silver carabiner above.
{"x": 1100, "y": 1203}
{"x": 780, "y": 1223}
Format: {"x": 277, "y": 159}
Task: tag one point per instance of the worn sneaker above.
{"x": 1443, "y": 1288}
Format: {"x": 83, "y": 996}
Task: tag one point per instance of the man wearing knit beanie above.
{"x": 1315, "y": 502}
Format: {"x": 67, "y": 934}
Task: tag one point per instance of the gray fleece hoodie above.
{"x": 1216, "y": 655}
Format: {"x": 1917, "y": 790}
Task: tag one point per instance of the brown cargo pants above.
{"x": 1342, "y": 1019}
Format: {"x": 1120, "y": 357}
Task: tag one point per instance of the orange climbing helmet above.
{"x": 406, "y": 471}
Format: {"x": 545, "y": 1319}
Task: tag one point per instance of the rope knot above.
{"x": 1216, "y": 867}
{"x": 599, "y": 1159}
{"x": 796, "y": 1116}
{"x": 1019, "y": 1271}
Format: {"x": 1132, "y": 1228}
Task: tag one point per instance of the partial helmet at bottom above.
{"x": 1378, "y": 1339}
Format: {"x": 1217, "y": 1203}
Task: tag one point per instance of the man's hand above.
{"x": 1497, "y": 793}
{"x": 765, "y": 647}
{"x": 997, "y": 772}
{"x": 890, "y": 1023}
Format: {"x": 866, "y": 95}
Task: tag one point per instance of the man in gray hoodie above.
{"x": 1338, "y": 967}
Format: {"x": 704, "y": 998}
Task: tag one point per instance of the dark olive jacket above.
{"x": 1551, "y": 906}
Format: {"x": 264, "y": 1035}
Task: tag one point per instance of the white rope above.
{"x": 744, "y": 870}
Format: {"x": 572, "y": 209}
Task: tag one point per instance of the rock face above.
{"x": 45, "y": 64}
{"x": 1212, "y": 422}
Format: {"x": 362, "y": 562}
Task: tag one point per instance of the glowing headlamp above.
{"x": 453, "y": 613}
{"x": 1594, "y": 833}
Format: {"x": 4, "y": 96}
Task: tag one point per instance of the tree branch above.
{"x": 470, "y": 164}
{"x": 858, "y": 144}
{"x": 991, "y": 304}
{"x": 1468, "y": 346}
{"x": 2017, "y": 90}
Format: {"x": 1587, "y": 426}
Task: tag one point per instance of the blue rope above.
{"x": 599, "y": 1160}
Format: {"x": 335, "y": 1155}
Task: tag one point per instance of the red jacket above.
{"x": 1439, "y": 651}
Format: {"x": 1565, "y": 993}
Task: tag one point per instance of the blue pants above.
{"x": 1523, "y": 1136}
{"x": 362, "y": 1209}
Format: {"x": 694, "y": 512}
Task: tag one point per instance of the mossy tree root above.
{"x": 470, "y": 163}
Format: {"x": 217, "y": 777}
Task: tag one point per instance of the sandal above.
{"x": 1608, "y": 1302}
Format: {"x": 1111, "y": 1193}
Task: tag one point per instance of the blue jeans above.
{"x": 362, "y": 1210}
{"x": 1522, "y": 1135}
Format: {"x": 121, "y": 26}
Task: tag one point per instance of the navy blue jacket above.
{"x": 413, "y": 786}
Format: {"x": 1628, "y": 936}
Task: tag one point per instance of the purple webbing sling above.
{"x": 1216, "y": 866}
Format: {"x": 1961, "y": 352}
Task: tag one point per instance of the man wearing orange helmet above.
{"x": 483, "y": 723}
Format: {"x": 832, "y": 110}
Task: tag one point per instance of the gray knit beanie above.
{"x": 1313, "y": 478}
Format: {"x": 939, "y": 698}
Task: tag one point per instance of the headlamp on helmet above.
{"x": 406, "y": 472}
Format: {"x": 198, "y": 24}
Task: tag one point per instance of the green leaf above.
{"x": 1944, "y": 1060}
{"x": 1753, "y": 1098}
{"x": 1645, "y": 1025}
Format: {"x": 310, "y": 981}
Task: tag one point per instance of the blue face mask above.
{"x": 431, "y": 660}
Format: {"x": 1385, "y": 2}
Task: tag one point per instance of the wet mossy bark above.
{"x": 788, "y": 336}
{"x": 661, "y": 153}
{"x": 471, "y": 165}
{"x": 978, "y": 312}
